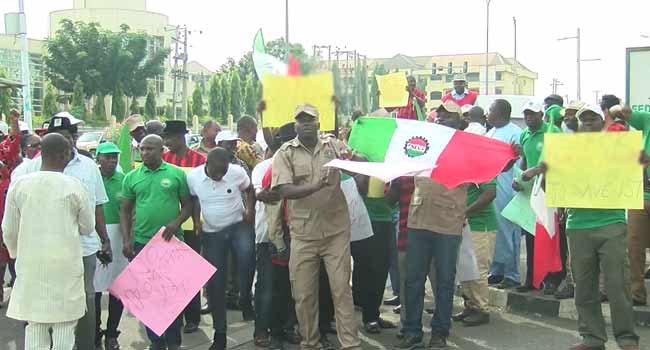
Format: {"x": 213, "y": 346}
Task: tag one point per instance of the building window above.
{"x": 498, "y": 91}
{"x": 435, "y": 95}
{"x": 436, "y": 77}
{"x": 472, "y": 76}
{"x": 449, "y": 78}
{"x": 499, "y": 76}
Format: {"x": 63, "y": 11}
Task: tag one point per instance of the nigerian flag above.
{"x": 263, "y": 62}
{"x": 401, "y": 147}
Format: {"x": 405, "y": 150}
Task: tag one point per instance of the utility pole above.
{"x": 185, "y": 76}
{"x": 514, "y": 65}
{"x": 578, "y": 60}
{"x": 24, "y": 65}
{"x": 286, "y": 17}
{"x": 555, "y": 84}
{"x": 487, "y": 43}
{"x": 175, "y": 72}
{"x": 597, "y": 92}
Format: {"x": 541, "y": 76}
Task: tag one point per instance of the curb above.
{"x": 537, "y": 303}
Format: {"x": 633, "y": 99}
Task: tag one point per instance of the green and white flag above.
{"x": 263, "y": 62}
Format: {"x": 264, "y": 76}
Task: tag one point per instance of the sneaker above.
{"x": 372, "y": 328}
{"x": 386, "y": 324}
{"x": 462, "y": 315}
{"x": 111, "y": 344}
{"x": 565, "y": 293}
{"x": 437, "y": 342}
{"x": 190, "y": 328}
{"x": 276, "y": 344}
{"x": 394, "y": 301}
{"x": 477, "y": 319}
{"x": 409, "y": 343}
{"x": 325, "y": 343}
{"x": 507, "y": 284}
{"x": 495, "y": 279}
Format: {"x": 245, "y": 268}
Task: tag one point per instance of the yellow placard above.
{"x": 594, "y": 170}
{"x": 283, "y": 94}
{"x": 376, "y": 188}
{"x": 392, "y": 90}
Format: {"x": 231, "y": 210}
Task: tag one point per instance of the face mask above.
{"x": 565, "y": 129}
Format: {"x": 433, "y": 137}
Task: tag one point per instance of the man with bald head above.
{"x": 158, "y": 192}
{"x": 46, "y": 239}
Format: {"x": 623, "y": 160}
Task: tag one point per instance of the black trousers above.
{"x": 552, "y": 278}
{"x": 192, "y": 311}
{"x": 371, "y": 263}
{"x": 282, "y": 306}
{"x": 115, "y": 309}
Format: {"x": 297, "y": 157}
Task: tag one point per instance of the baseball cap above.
{"x": 73, "y": 120}
{"x": 134, "y": 122}
{"x": 60, "y": 122}
{"x": 575, "y": 105}
{"x": 459, "y": 77}
{"x": 590, "y": 107}
{"x": 226, "y": 135}
{"x": 533, "y": 106}
{"x": 107, "y": 147}
{"x": 451, "y": 107}
{"x": 306, "y": 109}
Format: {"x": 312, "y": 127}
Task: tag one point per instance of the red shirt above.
{"x": 192, "y": 159}
{"x": 468, "y": 99}
{"x": 409, "y": 111}
{"x": 406, "y": 189}
{"x": 9, "y": 155}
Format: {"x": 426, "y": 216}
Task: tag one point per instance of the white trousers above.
{"x": 37, "y": 336}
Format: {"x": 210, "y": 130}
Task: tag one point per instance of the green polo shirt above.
{"x": 533, "y": 143}
{"x": 156, "y": 195}
{"x": 582, "y": 219}
{"x": 641, "y": 121}
{"x": 486, "y": 218}
{"x": 113, "y": 186}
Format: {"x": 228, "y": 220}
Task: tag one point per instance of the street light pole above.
{"x": 24, "y": 64}
{"x": 487, "y": 43}
{"x": 578, "y": 60}
{"x": 514, "y": 65}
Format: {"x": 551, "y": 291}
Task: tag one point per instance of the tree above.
{"x": 169, "y": 111}
{"x": 78, "y": 100}
{"x": 150, "y": 105}
{"x": 250, "y": 95}
{"x": 197, "y": 102}
{"x": 5, "y": 96}
{"x": 363, "y": 88}
{"x": 214, "y": 97}
{"x": 49, "y": 101}
{"x": 225, "y": 98}
{"x": 235, "y": 95}
{"x": 99, "y": 108}
{"x": 134, "y": 108}
{"x": 118, "y": 107}
{"x": 278, "y": 48}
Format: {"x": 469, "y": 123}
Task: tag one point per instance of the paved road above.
{"x": 505, "y": 332}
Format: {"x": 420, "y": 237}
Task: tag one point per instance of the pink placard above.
{"x": 157, "y": 285}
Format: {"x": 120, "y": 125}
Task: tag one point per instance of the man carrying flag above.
{"x": 413, "y": 110}
{"x": 597, "y": 240}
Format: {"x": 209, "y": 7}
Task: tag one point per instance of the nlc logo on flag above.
{"x": 416, "y": 146}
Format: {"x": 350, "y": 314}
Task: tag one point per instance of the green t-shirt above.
{"x": 156, "y": 195}
{"x": 113, "y": 186}
{"x": 378, "y": 210}
{"x": 533, "y": 143}
{"x": 486, "y": 218}
{"x": 581, "y": 219}
{"x": 641, "y": 121}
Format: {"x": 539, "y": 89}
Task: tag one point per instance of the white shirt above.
{"x": 261, "y": 224}
{"x": 221, "y": 201}
{"x": 85, "y": 170}
{"x": 476, "y": 128}
{"x": 45, "y": 214}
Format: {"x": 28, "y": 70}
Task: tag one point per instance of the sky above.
{"x": 383, "y": 28}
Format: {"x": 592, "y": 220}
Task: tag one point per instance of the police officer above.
{"x": 319, "y": 226}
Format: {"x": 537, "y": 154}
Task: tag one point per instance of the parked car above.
{"x": 89, "y": 141}
{"x": 192, "y": 139}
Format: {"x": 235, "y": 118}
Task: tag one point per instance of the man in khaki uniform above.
{"x": 435, "y": 222}
{"x": 319, "y": 226}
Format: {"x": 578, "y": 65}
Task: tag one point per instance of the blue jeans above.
{"x": 172, "y": 335}
{"x": 422, "y": 246}
{"x": 393, "y": 269}
{"x": 264, "y": 288}
{"x": 215, "y": 251}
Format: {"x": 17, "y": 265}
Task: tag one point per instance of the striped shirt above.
{"x": 192, "y": 159}
{"x": 406, "y": 189}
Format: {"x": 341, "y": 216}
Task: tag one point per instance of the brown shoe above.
{"x": 586, "y": 347}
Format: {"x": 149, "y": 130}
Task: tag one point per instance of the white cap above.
{"x": 23, "y": 126}
{"x": 4, "y": 127}
{"x": 591, "y": 107}
{"x": 533, "y": 106}
{"x": 73, "y": 120}
{"x": 226, "y": 135}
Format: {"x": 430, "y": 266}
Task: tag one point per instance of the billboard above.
{"x": 637, "y": 84}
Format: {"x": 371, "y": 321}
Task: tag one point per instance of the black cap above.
{"x": 175, "y": 127}
{"x": 60, "y": 123}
